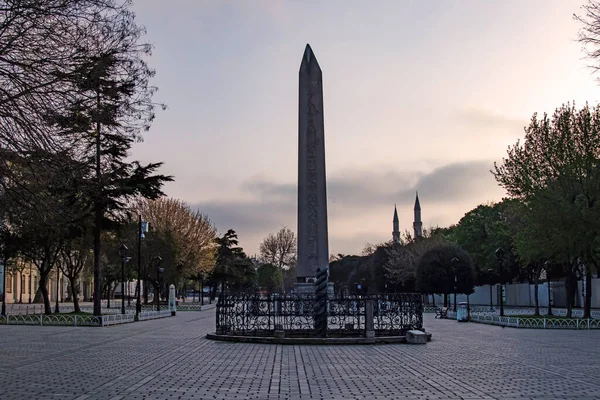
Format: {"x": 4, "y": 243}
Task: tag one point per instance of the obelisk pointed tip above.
{"x": 309, "y": 59}
{"x": 307, "y": 49}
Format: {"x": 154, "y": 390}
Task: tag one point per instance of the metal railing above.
{"x": 521, "y": 311}
{"x": 538, "y": 322}
{"x": 79, "y": 320}
{"x": 260, "y": 315}
{"x": 147, "y": 315}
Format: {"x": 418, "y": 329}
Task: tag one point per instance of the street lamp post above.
{"x": 123, "y": 253}
{"x": 454, "y": 262}
{"x": 159, "y": 270}
{"x": 500, "y": 257}
{"x": 138, "y": 304}
{"x": 30, "y": 283}
{"x": 202, "y": 289}
{"x": 56, "y": 307}
{"x": 490, "y": 271}
{"x": 3, "y": 270}
{"x": 547, "y": 265}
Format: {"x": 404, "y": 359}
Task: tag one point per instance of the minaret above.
{"x": 418, "y": 225}
{"x": 396, "y": 232}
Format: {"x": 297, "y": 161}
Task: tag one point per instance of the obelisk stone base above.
{"x": 309, "y": 289}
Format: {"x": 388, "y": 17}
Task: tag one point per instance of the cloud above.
{"x": 359, "y": 202}
{"x": 481, "y": 118}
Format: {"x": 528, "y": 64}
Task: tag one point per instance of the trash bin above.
{"x": 461, "y": 312}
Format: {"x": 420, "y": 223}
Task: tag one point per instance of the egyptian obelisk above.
{"x": 313, "y": 247}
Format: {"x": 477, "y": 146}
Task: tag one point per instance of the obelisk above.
{"x": 313, "y": 247}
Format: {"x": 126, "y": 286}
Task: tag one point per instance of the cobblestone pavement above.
{"x": 171, "y": 359}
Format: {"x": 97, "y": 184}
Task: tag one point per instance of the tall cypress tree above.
{"x": 112, "y": 107}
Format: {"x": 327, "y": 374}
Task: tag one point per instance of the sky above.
{"x": 418, "y": 96}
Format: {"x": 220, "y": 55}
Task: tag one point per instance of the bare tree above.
{"x": 192, "y": 232}
{"x": 75, "y": 254}
{"x": 589, "y": 34}
{"x": 279, "y": 249}
{"x": 40, "y": 47}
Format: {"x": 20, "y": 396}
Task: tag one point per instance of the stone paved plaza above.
{"x": 171, "y": 359}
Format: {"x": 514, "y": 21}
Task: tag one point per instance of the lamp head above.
{"x": 123, "y": 251}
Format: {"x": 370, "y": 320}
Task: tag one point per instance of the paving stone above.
{"x": 171, "y": 359}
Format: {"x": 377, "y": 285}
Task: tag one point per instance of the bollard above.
{"x": 172, "y": 304}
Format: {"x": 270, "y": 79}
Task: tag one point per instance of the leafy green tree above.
{"x": 483, "y": 230}
{"x": 105, "y": 119}
{"x": 341, "y": 270}
{"x": 445, "y": 269}
{"x": 557, "y": 167}
{"x": 269, "y": 277}
{"x": 233, "y": 268}
{"x": 403, "y": 258}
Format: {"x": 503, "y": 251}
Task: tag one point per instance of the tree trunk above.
{"x": 38, "y": 297}
{"x": 107, "y": 294}
{"x": 97, "y": 250}
{"x": 587, "y": 309}
{"x": 569, "y": 289}
{"x": 156, "y": 294}
{"x": 145, "y": 292}
{"x": 44, "y": 291}
{"x": 98, "y": 213}
{"x": 73, "y": 283}
{"x": 536, "y": 297}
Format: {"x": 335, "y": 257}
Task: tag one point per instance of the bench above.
{"x": 441, "y": 312}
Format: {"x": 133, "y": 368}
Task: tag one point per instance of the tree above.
{"x": 41, "y": 208}
{"x": 341, "y": 269}
{"x": 400, "y": 267}
{"x": 483, "y": 230}
{"x": 290, "y": 276}
{"x": 75, "y": 254}
{"x": 269, "y": 277}
{"x": 403, "y": 258}
{"x": 279, "y": 249}
{"x": 41, "y": 47}
{"x": 82, "y": 92}
{"x": 232, "y": 266}
{"x": 113, "y": 105}
{"x": 445, "y": 269}
{"x": 589, "y": 34}
{"x": 557, "y": 166}
{"x": 192, "y": 232}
